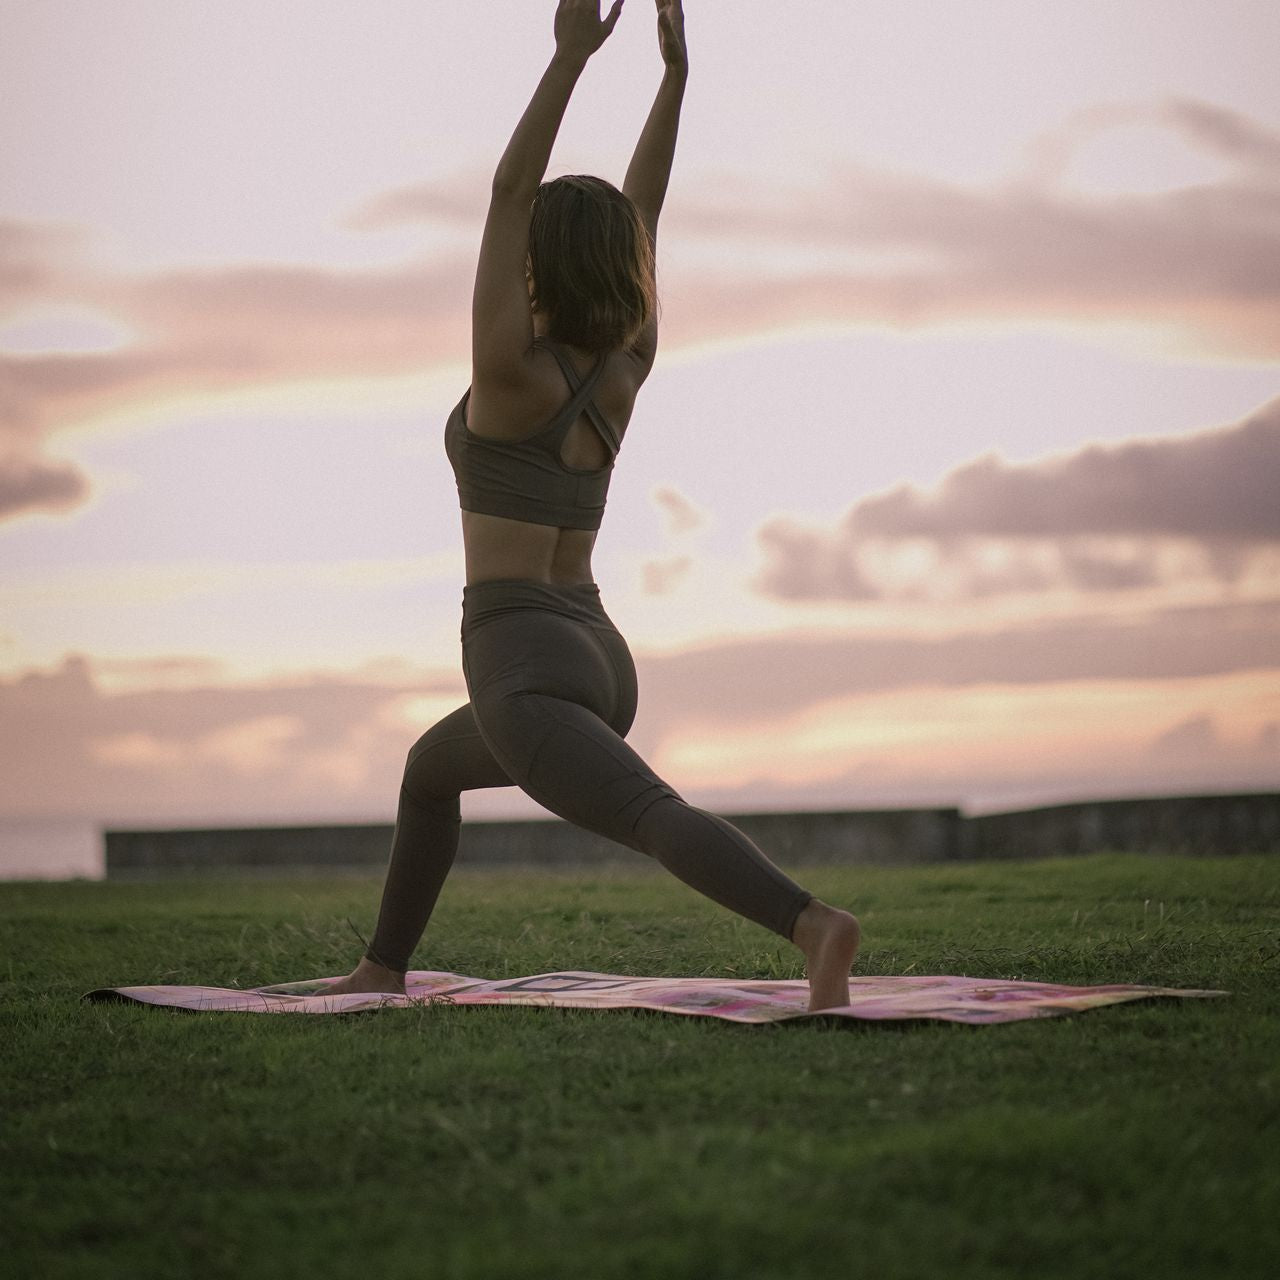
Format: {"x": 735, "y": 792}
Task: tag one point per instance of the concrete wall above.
{"x": 1202, "y": 825}
{"x": 882, "y": 837}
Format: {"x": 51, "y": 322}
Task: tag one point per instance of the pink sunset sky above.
{"x": 957, "y": 480}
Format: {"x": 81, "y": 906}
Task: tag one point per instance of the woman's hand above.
{"x": 671, "y": 35}
{"x": 580, "y": 30}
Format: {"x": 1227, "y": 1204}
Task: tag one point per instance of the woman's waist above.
{"x": 501, "y": 549}
{"x": 501, "y": 597}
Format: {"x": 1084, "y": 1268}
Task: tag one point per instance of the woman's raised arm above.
{"x": 650, "y": 168}
{"x": 501, "y": 327}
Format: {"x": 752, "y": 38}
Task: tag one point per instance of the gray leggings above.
{"x": 553, "y": 691}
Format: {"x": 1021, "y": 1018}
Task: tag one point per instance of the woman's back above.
{"x": 499, "y": 544}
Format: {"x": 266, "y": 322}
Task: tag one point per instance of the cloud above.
{"x": 458, "y": 200}
{"x": 36, "y": 259}
{"x": 805, "y": 563}
{"x": 245, "y": 327}
{"x": 1202, "y": 260}
{"x": 681, "y": 519}
{"x": 332, "y": 745}
{"x": 872, "y": 247}
{"x": 741, "y": 681}
{"x": 1218, "y": 483}
{"x": 213, "y": 331}
{"x": 661, "y": 577}
{"x": 1195, "y": 736}
{"x": 1104, "y": 517}
{"x": 1252, "y": 149}
{"x": 1198, "y": 742}
{"x": 250, "y": 748}
{"x": 36, "y": 484}
{"x": 680, "y": 515}
{"x": 988, "y": 747}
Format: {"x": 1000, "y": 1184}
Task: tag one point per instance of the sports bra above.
{"x": 526, "y": 479}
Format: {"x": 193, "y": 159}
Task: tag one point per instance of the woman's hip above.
{"x": 483, "y": 602}
{"x": 521, "y": 638}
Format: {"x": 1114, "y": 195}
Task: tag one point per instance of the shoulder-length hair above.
{"x": 592, "y": 263}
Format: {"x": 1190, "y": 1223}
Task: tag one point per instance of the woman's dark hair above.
{"x": 592, "y": 263}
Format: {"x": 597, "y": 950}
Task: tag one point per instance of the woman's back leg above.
{"x": 574, "y": 764}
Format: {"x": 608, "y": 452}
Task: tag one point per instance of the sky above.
{"x": 954, "y": 483}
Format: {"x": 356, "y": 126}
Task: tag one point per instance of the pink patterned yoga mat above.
{"x": 950, "y": 999}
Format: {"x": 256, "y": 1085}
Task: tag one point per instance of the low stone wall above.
{"x": 1200, "y": 825}
{"x": 880, "y": 837}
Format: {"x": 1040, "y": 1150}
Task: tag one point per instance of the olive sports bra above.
{"x": 526, "y": 479}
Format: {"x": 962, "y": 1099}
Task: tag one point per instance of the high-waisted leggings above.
{"x": 553, "y": 692}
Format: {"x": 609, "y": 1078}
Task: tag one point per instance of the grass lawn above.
{"x": 1138, "y": 1141}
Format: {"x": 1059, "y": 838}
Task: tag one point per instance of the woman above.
{"x": 564, "y": 301}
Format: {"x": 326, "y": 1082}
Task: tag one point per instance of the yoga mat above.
{"x": 950, "y": 999}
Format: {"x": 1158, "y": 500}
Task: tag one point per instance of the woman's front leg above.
{"x": 448, "y": 759}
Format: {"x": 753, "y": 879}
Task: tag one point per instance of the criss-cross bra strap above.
{"x": 582, "y": 389}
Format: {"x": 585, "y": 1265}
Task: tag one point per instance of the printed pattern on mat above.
{"x": 950, "y": 999}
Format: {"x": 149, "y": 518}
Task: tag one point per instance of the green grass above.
{"x": 1133, "y": 1141}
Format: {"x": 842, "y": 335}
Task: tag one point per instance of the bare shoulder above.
{"x": 640, "y": 357}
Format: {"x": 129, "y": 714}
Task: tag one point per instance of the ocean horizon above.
{"x": 51, "y": 849}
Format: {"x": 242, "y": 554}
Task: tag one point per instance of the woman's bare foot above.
{"x": 367, "y": 976}
{"x": 829, "y": 939}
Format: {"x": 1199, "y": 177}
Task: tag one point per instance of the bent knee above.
{"x": 446, "y": 805}
{"x": 427, "y": 786}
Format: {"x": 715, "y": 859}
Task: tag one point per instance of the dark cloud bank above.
{"x": 52, "y": 725}
{"x": 1217, "y": 489}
